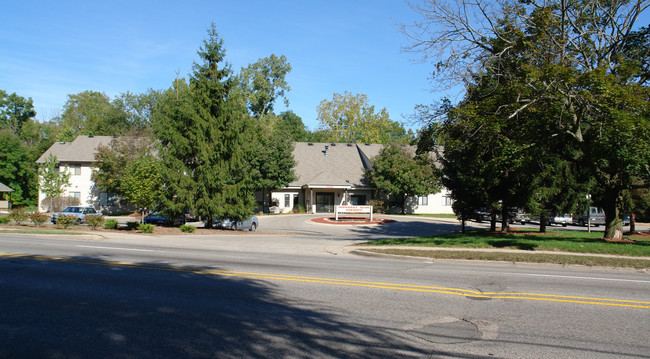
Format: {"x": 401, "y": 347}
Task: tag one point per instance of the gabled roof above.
{"x": 82, "y": 149}
{"x": 5, "y": 188}
{"x": 332, "y": 164}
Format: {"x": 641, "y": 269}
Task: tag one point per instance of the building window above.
{"x": 446, "y": 201}
{"x": 358, "y": 200}
{"x": 75, "y": 170}
{"x": 423, "y": 200}
{"x": 287, "y": 200}
{"x": 76, "y": 195}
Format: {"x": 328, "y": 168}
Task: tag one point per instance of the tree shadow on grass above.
{"x": 512, "y": 243}
{"x": 91, "y": 308}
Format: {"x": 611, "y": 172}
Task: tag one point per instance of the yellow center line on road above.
{"x": 356, "y": 283}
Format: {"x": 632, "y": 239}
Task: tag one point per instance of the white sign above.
{"x": 352, "y": 209}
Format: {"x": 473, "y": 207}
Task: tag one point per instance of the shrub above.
{"x": 59, "y": 203}
{"x": 187, "y": 229}
{"x": 378, "y": 206}
{"x": 146, "y": 228}
{"x": 132, "y": 225}
{"x": 4, "y": 220}
{"x": 110, "y": 224}
{"x": 94, "y": 220}
{"x": 38, "y": 218}
{"x": 18, "y": 215}
{"x": 299, "y": 208}
{"x": 65, "y": 220}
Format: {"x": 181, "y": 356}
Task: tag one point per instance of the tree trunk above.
{"x": 462, "y": 225}
{"x": 505, "y": 226}
{"x": 613, "y": 221}
{"x": 632, "y": 223}
{"x": 543, "y": 218}
{"x": 493, "y": 222}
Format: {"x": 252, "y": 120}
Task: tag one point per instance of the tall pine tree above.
{"x": 205, "y": 136}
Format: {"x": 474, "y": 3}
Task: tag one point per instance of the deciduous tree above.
{"x": 351, "y": 118}
{"x": 570, "y": 57}
{"x": 18, "y": 169}
{"x": 53, "y": 180}
{"x": 263, "y": 83}
{"x": 398, "y": 171}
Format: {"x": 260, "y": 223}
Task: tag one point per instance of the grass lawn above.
{"x": 528, "y": 242}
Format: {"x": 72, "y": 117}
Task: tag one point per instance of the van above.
{"x": 594, "y": 215}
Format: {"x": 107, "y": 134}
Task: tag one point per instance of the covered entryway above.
{"x": 324, "y": 202}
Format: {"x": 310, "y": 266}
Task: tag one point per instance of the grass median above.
{"x": 527, "y": 245}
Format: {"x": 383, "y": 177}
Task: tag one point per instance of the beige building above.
{"x": 332, "y": 174}
{"x": 78, "y": 157}
{"x": 328, "y": 174}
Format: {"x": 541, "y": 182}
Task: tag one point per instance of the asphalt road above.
{"x": 295, "y": 290}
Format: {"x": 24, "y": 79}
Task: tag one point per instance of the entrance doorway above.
{"x": 325, "y": 202}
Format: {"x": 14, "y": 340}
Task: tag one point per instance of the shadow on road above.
{"x": 405, "y": 228}
{"x": 92, "y": 308}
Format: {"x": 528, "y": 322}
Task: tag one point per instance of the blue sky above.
{"x": 50, "y": 49}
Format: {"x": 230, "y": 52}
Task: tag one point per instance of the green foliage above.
{"x": 15, "y": 112}
{"x": 187, "y": 228}
{"x": 378, "y": 206}
{"x": 143, "y": 182}
{"x": 38, "y": 218}
{"x": 65, "y": 220}
{"x": 273, "y": 164}
{"x": 299, "y": 208}
{"x": 399, "y": 172}
{"x": 18, "y": 168}
{"x": 110, "y": 224}
{"x": 206, "y": 139}
{"x": 146, "y": 228}
{"x": 18, "y": 215}
{"x": 291, "y": 126}
{"x": 130, "y": 226}
{"x": 551, "y": 111}
{"x": 4, "y": 220}
{"x": 92, "y": 113}
{"x": 263, "y": 82}
{"x": 115, "y": 162}
{"x": 94, "y": 220}
{"x": 54, "y": 180}
{"x": 350, "y": 118}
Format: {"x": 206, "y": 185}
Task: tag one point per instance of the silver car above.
{"x": 595, "y": 216}
{"x": 226, "y": 223}
{"x": 80, "y": 212}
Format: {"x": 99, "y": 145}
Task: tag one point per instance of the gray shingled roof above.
{"x": 82, "y": 149}
{"x": 343, "y": 165}
{"x": 5, "y": 188}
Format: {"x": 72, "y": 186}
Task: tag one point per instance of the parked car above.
{"x": 159, "y": 219}
{"x": 80, "y": 212}
{"x": 522, "y": 217}
{"x": 626, "y": 219}
{"x": 226, "y": 223}
{"x": 563, "y": 219}
{"x": 594, "y": 215}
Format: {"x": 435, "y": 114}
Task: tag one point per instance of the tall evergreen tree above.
{"x": 205, "y": 136}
